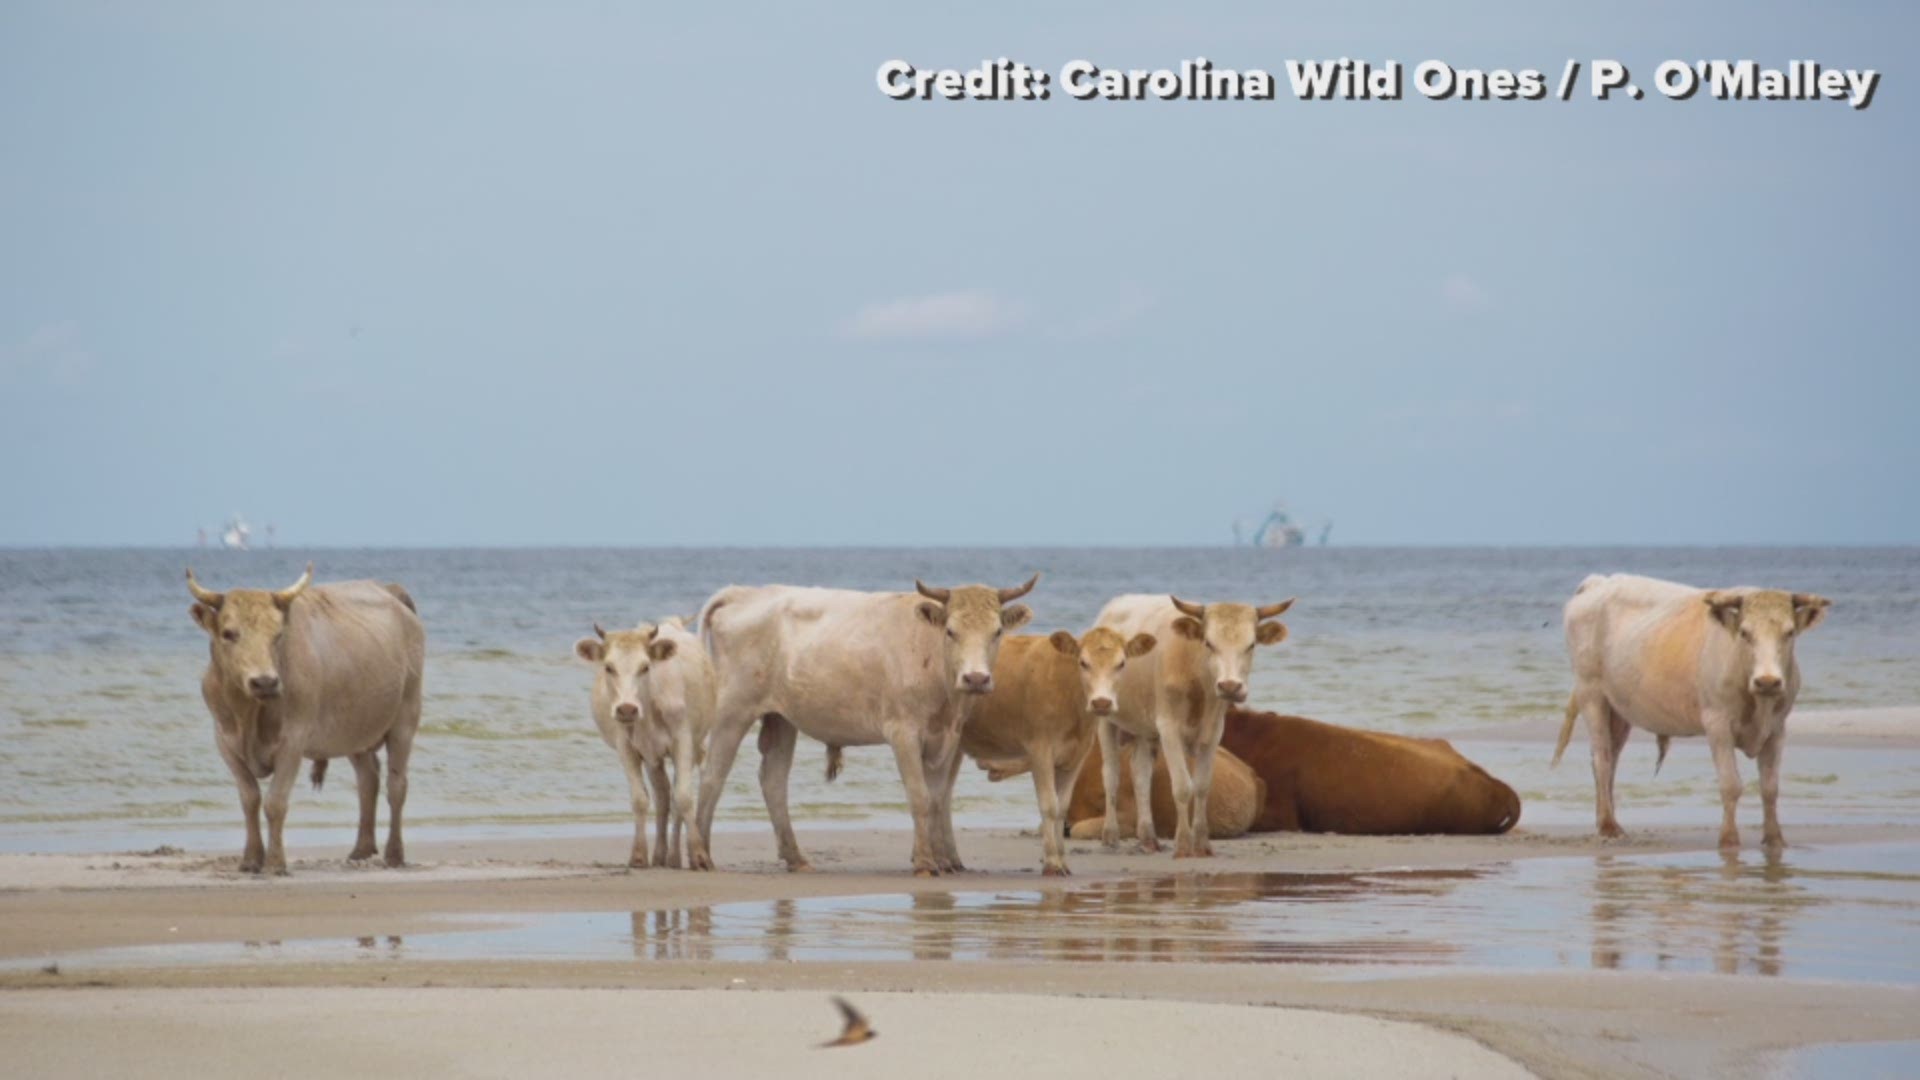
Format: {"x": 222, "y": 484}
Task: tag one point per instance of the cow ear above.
{"x": 1271, "y": 633}
{"x": 1188, "y": 627}
{"x": 203, "y": 616}
{"x": 1141, "y": 644}
{"x": 590, "y": 649}
{"x": 1725, "y": 608}
{"x": 1809, "y": 610}
{"x": 1063, "y": 643}
{"x": 935, "y": 614}
{"x": 1015, "y": 616}
{"x": 661, "y": 650}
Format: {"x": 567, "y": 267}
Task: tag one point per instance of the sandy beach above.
{"x": 173, "y": 945}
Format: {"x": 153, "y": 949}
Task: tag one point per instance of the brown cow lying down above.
{"x": 1327, "y": 778}
{"x": 1231, "y": 811}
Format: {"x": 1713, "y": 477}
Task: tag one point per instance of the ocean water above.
{"x": 104, "y": 740}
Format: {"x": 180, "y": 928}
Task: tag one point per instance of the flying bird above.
{"x": 857, "y": 1030}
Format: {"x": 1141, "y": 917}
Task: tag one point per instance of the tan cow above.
{"x": 653, "y": 703}
{"x": 1177, "y": 698}
{"x": 1233, "y": 810}
{"x": 854, "y": 669}
{"x": 1681, "y": 661}
{"x": 312, "y": 673}
{"x": 1048, "y": 695}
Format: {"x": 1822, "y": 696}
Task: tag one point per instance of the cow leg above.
{"x": 1202, "y": 789}
{"x": 722, "y": 746}
{"x": 1110, "y": 779}
{"x": 908, "y": 754}
{"x": 1141, "y": 758}
{"x": 1606, "y": 732}
{"x": 1046, "y": 789}
{"x": 1720, "y": 741}
{"x": 1174, "y": 749}
{"x": 663, "y": 853}
{"x": 946, "y": 772}
{"x": 286, "y": 767}
{"x": 635, "y": 767}
{"x": 777, "y": 739}
{"x": 686, "y": 787}
{"x": 1770, "y": 837}
{"x": 366, "y": 784}
{"x": 399, "y": 754}
{"x": 255, "y": 853}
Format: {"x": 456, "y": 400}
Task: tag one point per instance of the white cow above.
{"x": 1679, "y": 661}
{"x": 653, "y": 702}
{"x": 854, "y": 669}
{"x": 1177, "y": 697}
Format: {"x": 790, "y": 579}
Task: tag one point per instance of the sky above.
{"x": 596, "y": 274}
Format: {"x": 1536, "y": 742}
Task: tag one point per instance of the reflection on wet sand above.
{"x": 1847, "y": 912}
{"x": 1738, "y": 913}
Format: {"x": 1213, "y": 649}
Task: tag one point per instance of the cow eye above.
{"x": 951, "y": 636}
{"x": 230, "y": 634}
{"x": 610, "y": 670}
{"x": 1084, "y": 666}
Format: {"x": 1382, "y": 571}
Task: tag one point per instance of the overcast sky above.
{"x": 585, "y": 274}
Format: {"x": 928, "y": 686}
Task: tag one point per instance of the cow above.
{"x": 1177, "y": 698}
{"x": 854, "y": 669}
{"x": 1049, "y": 692}
{"x": 1681, "y": 661}
{"x": 1232, "y": 810}
{"x": 653, "y": 702}
{"x": 1332, "y": 779}
{"x": 312, "y": 672}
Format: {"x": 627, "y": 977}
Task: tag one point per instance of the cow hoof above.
{"x": 279, "y": 871}
{"x": 800, "y": 868}
{"x": 362, "y": 854}
{"x": 925, "y": 871}
{"x": 1150, "y": 847}
{"x": 1110, "y": 840}
{"x": 638, "y": 862}
{"x": 395, "y": 861}
{"x": 1054, "y": 871}
{"x": 1612, "y": 832}
{"x": 1729, "y": 841}
{"x": 700, "y": 862}
{"x": 1775, "y": 843}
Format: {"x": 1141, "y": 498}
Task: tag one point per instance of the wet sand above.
{"x": 187, "y": 920}
{"x": 1545, "y": 949}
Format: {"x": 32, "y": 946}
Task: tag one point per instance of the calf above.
{"x": 653, "y": 702}
{"x": 1049, "y": 693}
{"x": 1177, "y": 699}
{"x": 1681, "y": 661}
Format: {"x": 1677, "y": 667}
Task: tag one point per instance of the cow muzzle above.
{"x": 263, "y": 687}
{"x": 1232, "y": 691}
{"x": 1100, "y": 706}
{"x": 626, "y": 712}
{"x": 1767, "y": 685}
{"x": 976, "y": 682}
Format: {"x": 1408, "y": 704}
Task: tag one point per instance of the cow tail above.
{"x": 834, "y": 762}
{"x": 1566, "y": 729}
{"x": 319, "y": 773}
{"x": 1664, "y": 741}
{"x": 714, "y": 603}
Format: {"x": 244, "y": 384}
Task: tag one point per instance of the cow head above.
{"x": 245, "y": 627}
{"x": 1103, "y": 654}
{"x": 974, "y": 619}
{"x": 1763, "y": 624}
{"x": 1229, "y": 632}
{"x": 624, "y": 658}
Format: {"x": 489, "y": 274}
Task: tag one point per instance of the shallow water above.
{"x": 1847, "y": 912}
{"x": 104, "y": 741}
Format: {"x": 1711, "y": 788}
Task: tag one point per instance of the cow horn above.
{"x": 1198, "y": 611}
{"x": 1018, "y": 591}
{"x": 204, "y": 595}
{"x": 292, "y": 592}
{"x": 602, "y": 633}
{"x": 1271, "y": 610}
{"x": 941, "y": 595}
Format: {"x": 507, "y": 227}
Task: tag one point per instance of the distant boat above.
{"x": 236, "y": 534}
{"x": 1279, "y": 530}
